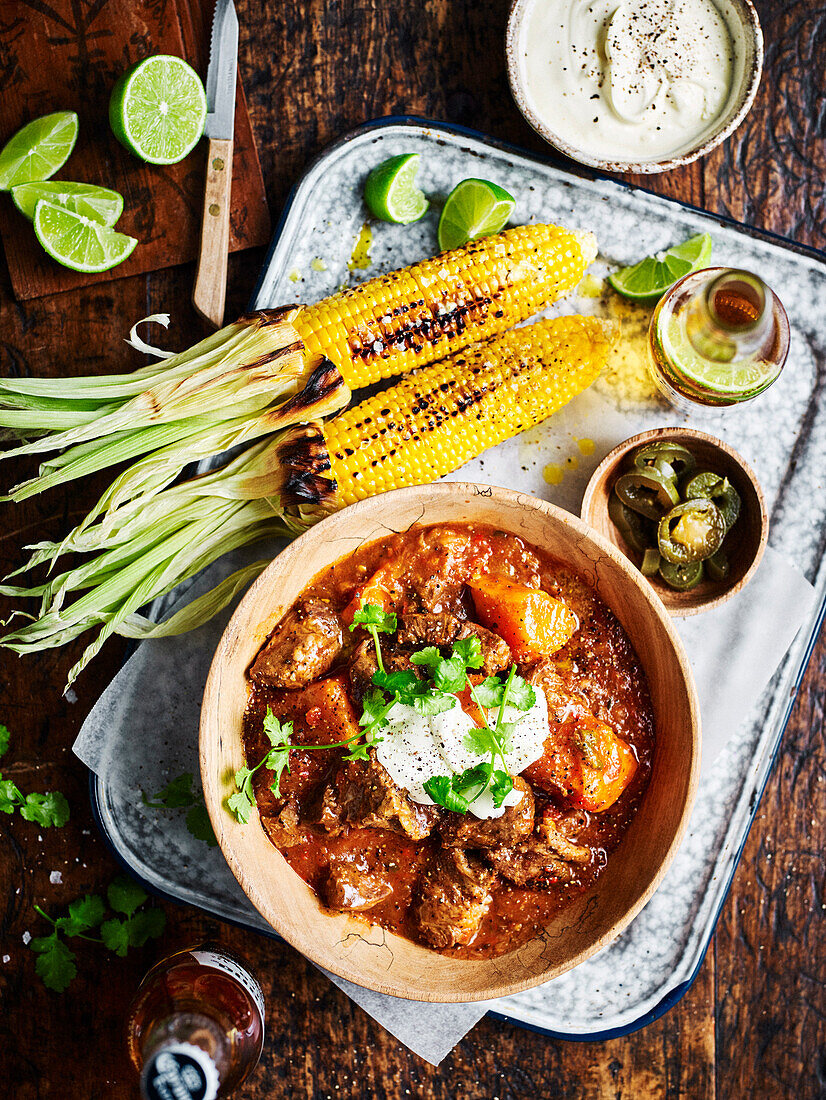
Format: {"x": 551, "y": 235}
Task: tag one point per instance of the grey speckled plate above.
{"x": 783, "y": 435}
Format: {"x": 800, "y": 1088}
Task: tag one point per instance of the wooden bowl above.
{"x": 751, "y": 531}
{"x": 366, "y": 954}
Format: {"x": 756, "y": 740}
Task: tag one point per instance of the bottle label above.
{"x": 219, "y": 961}
{"x": 180, "y": 1071}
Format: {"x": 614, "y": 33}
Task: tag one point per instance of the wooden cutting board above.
{"x": 66, "y": 55}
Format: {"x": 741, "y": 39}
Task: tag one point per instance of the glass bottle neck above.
{"x": 185, "y": 1057}
{"x": 731, "y": 317}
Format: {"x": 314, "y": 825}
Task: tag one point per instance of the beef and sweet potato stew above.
{"x": 452, "y": 733}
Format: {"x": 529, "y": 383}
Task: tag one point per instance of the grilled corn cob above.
{"x": 449, "y": 412}
{"x": 424, "y": 312}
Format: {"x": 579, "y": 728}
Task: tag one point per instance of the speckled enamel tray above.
{"x": 783, "y": 434}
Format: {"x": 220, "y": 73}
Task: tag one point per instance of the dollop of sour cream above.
{"x": 416, "y": 747}
{"x": 627, "y": 79}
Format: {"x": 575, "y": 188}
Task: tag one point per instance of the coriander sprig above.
{"x": 132, "y": 928}
{"x": 180, "y": 794}
{"x": 47, "y": 809}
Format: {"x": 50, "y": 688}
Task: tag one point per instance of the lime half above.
{"x": 474, "y": 208}
{"x": 78, "y": 242}
{"x": 98, "y": 203}
{"x": 650, "y": 278}
{"x": 391, "y": 193}
{"x": 38, "y": 150}
{"x": 158, "y": 108}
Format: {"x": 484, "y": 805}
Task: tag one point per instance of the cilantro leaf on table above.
{"x": 5, "y": 737}
{"x": 372, "y": 616}
{"x": 46, "y": 809}
{"x": 84, "y": 913}
{"x": 125, "y": 896}
{"x": 115, "y": 935}
{"x": 147, "y": 924}
{"x": 10, "y": 796}
{"x": 55, "y": 962}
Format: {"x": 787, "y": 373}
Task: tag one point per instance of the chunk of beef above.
{"x": 353, "y": 888}
{"x": 362, "y": 795}
{"x": 455, "y": 895}
{"x": 364, "y": 664}
{"x": 562, "y": 701}
{"x": 281, "y": 824}
{"x": 441, "y": 588}
{"x": 548, "y": 854}
{"x": 444, "y": 629}
{"x": 515, "y": 824}
{"x": 304, "y": 645}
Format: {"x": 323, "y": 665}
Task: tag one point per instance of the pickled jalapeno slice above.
{"x": 682, "y": 577}
{"x": 718, "y": 566}
{"x": 719, "y": 489}
{"x": 647, "y": 492}
{"x": 634, "y": 529}
{"x": 692, "y": 531}
{"x": 651, "y": 562}
{"x": 660, "y": 454}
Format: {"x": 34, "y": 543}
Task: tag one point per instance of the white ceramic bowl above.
{"x": 747, "y": 38}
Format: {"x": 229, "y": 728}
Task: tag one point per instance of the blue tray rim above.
{"x": 673, "y": 996}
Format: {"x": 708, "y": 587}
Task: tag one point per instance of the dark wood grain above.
{"x": 753, "y": 1023}
{"x": 67, "y": 55}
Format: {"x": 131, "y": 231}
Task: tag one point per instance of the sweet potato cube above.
{"x": 532, "y": 622}
{"x": 322, "y": 712}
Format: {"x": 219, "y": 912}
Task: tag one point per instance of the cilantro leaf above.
{"x": 10, "y": 796}
{"x": 243, "y": 777}
{"x": 115, "y": 935}
{"x": 176, "y": 795}
{"x": 46, "y": 809}
{"x": 520, "y": 694}
{"x": 278, "y": 732}
{"x": 434, "y": 703}
{"x": 450, "y": 675}
{"x": 55, "y": 962}
{"x": 442, "y": 790}
{"x": 277, "y": 760}
{"x": 199, "y": 825}
{"x": 372, "y": 615}
{"x": 481, "y": 740}
{"x": 148, "y": 924}
{"x": 501, "y": 785}
{"x": 471, "y": 778}
{"x": 469, "y": 650}
{"x": 403, "y": 683}
{"x": 429, "y": 658}
{"x": 5, "y": 737}
{"x": 375, "y": 709}
{"x": 84, "y": 913}
{"x": 240, "y": 805}
{"x": 358, "y": 751}
{"x": 489, "y": 693}
{"x": 125, "y": 895}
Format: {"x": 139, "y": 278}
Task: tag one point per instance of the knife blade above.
{"x": 222, "y": 71}
{"x": 209, "y": 293}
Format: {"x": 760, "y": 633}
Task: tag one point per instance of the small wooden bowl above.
{"x": 366, "y": 954}
{"x": 748, "y": 538}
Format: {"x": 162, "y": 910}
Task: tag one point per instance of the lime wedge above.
{"x": 740, "y": 378}
{"x": 391, "y": 193}
{"x": 650, "y": 278}
{"x": 98, "y": 203}
{"x": 78, "y": 242}
{"x": 474, "y": 208}
{"x": 38, "y": 150}
{"x": 158, "y": 108}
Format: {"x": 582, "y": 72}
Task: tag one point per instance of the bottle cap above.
{"x": 180, "y": 1071}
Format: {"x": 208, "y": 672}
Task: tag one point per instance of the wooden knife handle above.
{"x": 211, "y": 278}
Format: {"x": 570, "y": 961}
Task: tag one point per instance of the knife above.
{"x": 211, "y": 278}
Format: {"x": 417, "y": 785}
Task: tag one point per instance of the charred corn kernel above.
{"x": 411, "y": 317}
{"x": 449, "y": 412}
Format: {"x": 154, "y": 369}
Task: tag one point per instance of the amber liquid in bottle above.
{"x": 719, "y": 337}
{"x": 196, "y": 1025}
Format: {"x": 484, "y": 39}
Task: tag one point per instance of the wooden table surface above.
{"x": 754, "y": 1021}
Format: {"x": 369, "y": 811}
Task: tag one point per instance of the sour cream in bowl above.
{"x": 634, "y": 85}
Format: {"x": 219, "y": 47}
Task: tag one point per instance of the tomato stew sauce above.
{"x": 357, "y": 839}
